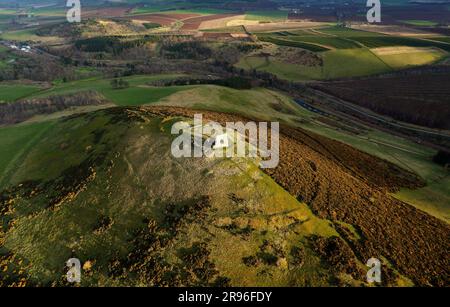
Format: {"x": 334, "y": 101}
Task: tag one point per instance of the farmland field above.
{"x": 356, "y": 52}
{"x": 28, "y": 35}
{"x": 332, "y": 42}
{"x": 290, "y": 43}
{"x": 304, "y": 39}
{"x": 336, "y": 64}
{"x": 265, "y": 16}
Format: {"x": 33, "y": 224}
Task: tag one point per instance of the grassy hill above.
{"x": 103, "y": 187}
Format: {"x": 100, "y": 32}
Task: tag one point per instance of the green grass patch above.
{"x": 389, "y": 41}
{"x": 326, "y": 41}
{"x": 258, "y": 103}
{"x": 137, "y": 93}
{"x": 267, "y": 16}
{"x": 12, "y": 92}
{"x": 433, "y": 199}
{"x": 420, "y": 23}
{"x": 445, "y": 39}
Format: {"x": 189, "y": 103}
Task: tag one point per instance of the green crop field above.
{"x": 331, "y": 42}
{"x": 266, "y": 15}
{"x": 162, "y": 10}
{"x": 350, "y": 59}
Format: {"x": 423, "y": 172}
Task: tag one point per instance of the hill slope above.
{"x": 104, "y": 188}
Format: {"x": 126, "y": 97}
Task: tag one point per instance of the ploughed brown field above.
{"x": 342, "y": 184}
{"x": 107, "y": 12}
{"x": 422, "y": 99}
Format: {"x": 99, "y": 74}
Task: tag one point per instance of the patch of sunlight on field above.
{"x": 29, "y": 35}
